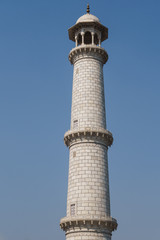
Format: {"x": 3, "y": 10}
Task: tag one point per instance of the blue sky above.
{"x": 35, "y": 104}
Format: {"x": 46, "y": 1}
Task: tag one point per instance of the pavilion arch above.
{"x": 87, "y": 38}
{"x": 79, "y": 39}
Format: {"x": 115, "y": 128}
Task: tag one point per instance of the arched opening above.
{"x": 87, "y": 38}
{"x": 96, "y": 41}
{"x": 79, "y": 39}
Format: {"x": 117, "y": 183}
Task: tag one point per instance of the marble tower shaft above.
{"x": 88, "y": 201}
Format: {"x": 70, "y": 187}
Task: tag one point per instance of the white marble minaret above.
{"x": 88, "y": 201}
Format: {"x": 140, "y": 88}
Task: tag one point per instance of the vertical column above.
{"x": 88, "y": 200}
{"x": 92, "y": 38}
{"x": 88, "y": 185}
{"x": 76, "y": 40}
{"x": 88, "y": 105}
{"x": 82, "y": 38}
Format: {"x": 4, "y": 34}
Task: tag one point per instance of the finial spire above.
{"x": 88, "y": 8}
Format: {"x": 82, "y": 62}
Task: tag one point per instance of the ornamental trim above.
{"x": 92, "y": 51}
{"x": 88, "y": 135}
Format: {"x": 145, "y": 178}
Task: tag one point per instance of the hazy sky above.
{"x": 35, "y": 104}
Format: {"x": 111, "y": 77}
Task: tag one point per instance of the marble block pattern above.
{"x": 88, "y": 214}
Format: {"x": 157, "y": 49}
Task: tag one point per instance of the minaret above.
{"x": 88, "y": 201}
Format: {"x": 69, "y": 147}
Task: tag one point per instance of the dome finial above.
{"x": 88, "y": 8}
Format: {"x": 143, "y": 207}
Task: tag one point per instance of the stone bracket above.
{"x": 108, "y": 223}
{"x": 101, "y": 136}
{"x": 92, "y": 51}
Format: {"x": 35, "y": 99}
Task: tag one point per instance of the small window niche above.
{"x": 75, "y": 124}
{"x": 74, "y": 154}
{"x": 73, "y": 209}
{"x": 77, "y": 70}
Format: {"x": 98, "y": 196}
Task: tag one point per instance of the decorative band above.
{"x": 108, "y": 224}
{"x": 88, "y": 51}
{"x": 104, "y": 137}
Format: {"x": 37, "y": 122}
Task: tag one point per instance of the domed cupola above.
{"x": 88, "y": 18}
{"x": 88, "y": 30}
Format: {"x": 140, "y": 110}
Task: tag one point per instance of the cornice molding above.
{"x": 88, "y": 135}
{"x": 88, "y": 51}
{"x": 95, "y": 25}
{"x": 105, "y": 224}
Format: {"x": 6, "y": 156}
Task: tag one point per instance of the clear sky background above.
{"x": 35, "y": 104}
